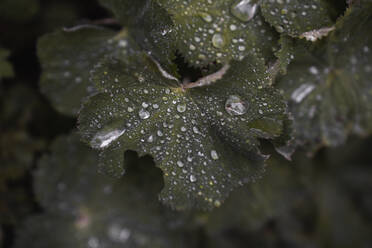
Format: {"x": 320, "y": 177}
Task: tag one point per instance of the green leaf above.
{"x": 6, "y": 69}
{"x": 204, "y": 139}
{"x": 219, "y": 30}
{"x": 329, "y": 87}
{"x": 68, "y": 55}
{"x": 296, "y": 17}
{"x": 84, "y": 208}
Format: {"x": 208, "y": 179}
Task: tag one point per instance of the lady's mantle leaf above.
{"x": 219, "y": 30}
{"x": 204, "y": 139}
{"x": 86, "y": 209}
{"x": 6, "y": 69}
{"x": 68, "y": 55}
{"x": 296, "y": 17}
{"x": 331, "y": 96}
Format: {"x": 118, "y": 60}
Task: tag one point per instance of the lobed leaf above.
{"x": 219, "y": 31}
{"x": 204, "y": 139}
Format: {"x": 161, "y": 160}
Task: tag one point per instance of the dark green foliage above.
{"x": 184, "y": 129}
{"x": 90, "y": 210}
{"x": 189, "y": 105}
{"x": 328, "y": 86}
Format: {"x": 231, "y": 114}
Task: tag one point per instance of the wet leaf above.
{"x": 329, "y": 87}
{"x": 6, "y": 69}
{"x": 86, "y": 209}
{"x": 297, "y": 16}
{"x": 68, "y": 55}
{"x": 193, "y": 134}
{"x": 220, "y": 30}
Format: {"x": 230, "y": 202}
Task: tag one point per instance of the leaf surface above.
{"x": 296, "y": 17}
{"x": 329, "y": 89}
{"x": 66, "y": 58}
{"x": 219, "y": 31}
{"x": 204, "y": 139}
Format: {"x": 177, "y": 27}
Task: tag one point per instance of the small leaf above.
{"x": 219, "y": 30}
{"x": 67, "y": 57}
{"x": 6, "y": 69}
{"x": 205, "y": 139}
{"x": 297, "y": 16}
{"x": 329, "y": 89}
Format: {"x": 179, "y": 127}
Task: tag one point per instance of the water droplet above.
{"x": 214, "y": 155}
{"x": 217, "y": 203}
{"x": 279, "y": 28}
{"x": 150, "y": 139}
{"x": 155, "y": 106}
{"x": 244, "y": 10}
{"x": 181, "y": 107}
{"x": 192, "y": 178}
{"x": 206, "y": 17}
{"x": 183, "y": 129}
{"x": 180, "y": 164}
{"x": 235, "y": 106}
{"x": 301, "y": 92}
{"x": 233, "y": 27}
{"x": 104, "y": 138}
{"x": 143, "y": 114}
{"x": 160, "y": 133}
{"x": 130, "y": 109}
{"x": 218, "y": 41}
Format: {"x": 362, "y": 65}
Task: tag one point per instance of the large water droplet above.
{"x": 244, "y": 10}
{"x": 181, "y": 107}
{"x": 218, "y": 41}
{"x": 143, "y": 114}
{"x": 235, "y": 106}
{"x": 104, "y": 138}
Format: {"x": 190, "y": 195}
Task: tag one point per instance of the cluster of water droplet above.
{"x": 297, "y": 16}
{"x": 218, "y": 30}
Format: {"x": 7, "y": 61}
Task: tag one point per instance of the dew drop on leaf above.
{"x": 192, "y": 178}
{"x": 214, "y": 155}
{"x": 143, "y": 114}
{"x": 181, "y": 108}
{"x": 180, "y": 164}
{"x": 235, "y": 106}
{"x": 103, "y": 139}
{"x": 218, "y": 41}
{"x": 206, "y": 17}
{"x": 244, "y": 10}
